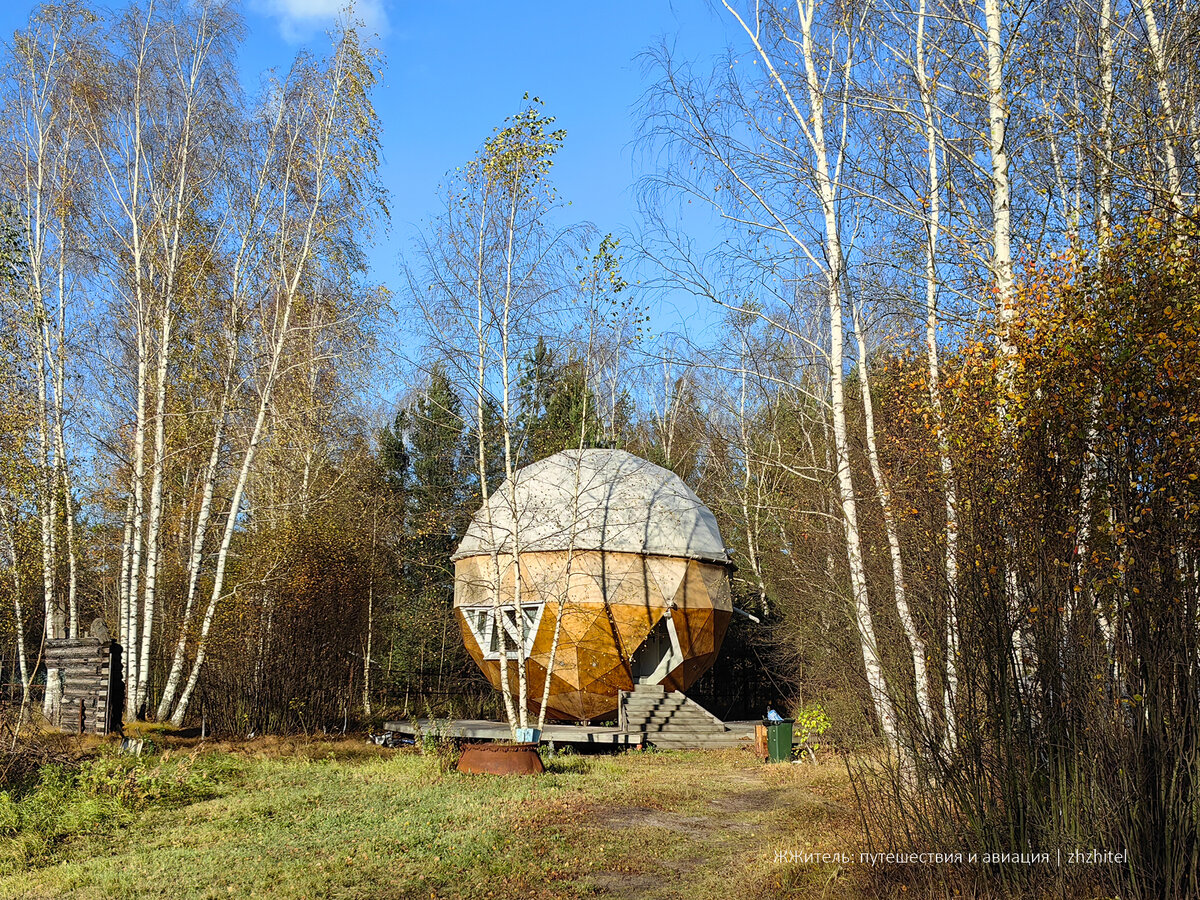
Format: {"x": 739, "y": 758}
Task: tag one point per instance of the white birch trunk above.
{"x": 171, "y": 207}
{"x": 58, "y": 365}
{"x": 47, "y": 484}
{"x": 1104, "y": 173}
{"x": 239, "y": 490}
{"x": 46, "y": 468}
{"x": 826, "y": 190}
{"x": 848, "y": 499}
{"x": 565, "y": 594}
{"x": 366, "y": 690}
{"x": 1083, "y": 531}
{"x": 196, "y": 557}
{"x": 480, "y": 405}
{"x": 316, "y": 139}
{"x": 135, "y": 552}
{"x": 884, "y": 495}
{"x": 752, "y": 521}
{"x": 1001, "y": 192}
{"x": 123, "y": 583}
{"x": 1162, "y": 87}
{"x": 235, "y": 504}
{"x": 928, "y": 92}
{"x": 18, "y": 609}
{"x": 153, "y": 537}
{"x": 510, "y": 461}
{"x": 69, "y": 516}
{"x": 1002, "y": 272}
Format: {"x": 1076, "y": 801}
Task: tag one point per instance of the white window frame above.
{"x": 482, "y": 622}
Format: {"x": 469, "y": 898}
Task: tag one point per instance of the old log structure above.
{"x": 92, "y": 686}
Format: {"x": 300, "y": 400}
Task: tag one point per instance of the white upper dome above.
{"x": 625, "y": 505}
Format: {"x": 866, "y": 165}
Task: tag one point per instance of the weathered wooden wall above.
{"x": 93, "y": 689}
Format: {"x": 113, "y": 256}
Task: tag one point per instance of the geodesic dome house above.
{"x": 621, "y": 553}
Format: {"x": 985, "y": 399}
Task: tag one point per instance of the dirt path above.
{"x": 720, "y": 837}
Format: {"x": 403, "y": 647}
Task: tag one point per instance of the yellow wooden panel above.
{"x": 693, "y": 592}
{"x": 695, "y": 630}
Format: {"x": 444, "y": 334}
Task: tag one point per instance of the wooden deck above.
{"x": 739, "y": 733}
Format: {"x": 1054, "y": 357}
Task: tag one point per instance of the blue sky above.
{"x": 456, "y": 68}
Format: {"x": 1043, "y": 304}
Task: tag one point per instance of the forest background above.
{"x": 946, "y": 416}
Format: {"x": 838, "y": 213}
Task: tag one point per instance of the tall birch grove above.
{"x": 951, "y": 181}
{"x": 181, "y": 246}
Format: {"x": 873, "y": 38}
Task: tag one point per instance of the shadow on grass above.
{"x": 566, "y": 764}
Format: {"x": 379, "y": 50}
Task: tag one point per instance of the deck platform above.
{"x": 739, "y": 734}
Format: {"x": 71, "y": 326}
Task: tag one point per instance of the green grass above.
{"x": 354, "y": 823}
{"x": 95, "y": 798}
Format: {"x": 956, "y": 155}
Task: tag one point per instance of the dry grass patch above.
{"x": 348, "y": 821}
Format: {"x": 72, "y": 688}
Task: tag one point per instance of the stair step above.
{"x": 649, "y": 727}
{"x": 675, "y": 722}
{"x": 672, "y": 721}
{"x": 652, "y": 701}
{"x": 651, "y": 737}
{"x": 693, "y": 738}
{"x": 674, "y": 717}
{"x": 698, "y": 721}
{"x": 655, "y": 701}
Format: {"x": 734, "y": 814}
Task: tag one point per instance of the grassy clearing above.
{"x": 348, "y": 821}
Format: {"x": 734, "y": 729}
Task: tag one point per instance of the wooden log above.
{"x": 89, "y": 674}
{"x": 77, "y": 642}
{"x": 77, "y": 692}
{"x": 73, "y": 656}
{"x": 83, "y": 671}
{"x": 80, "y": 644}
{"x": 94, "y": 672}
{"x": 87, "y": 696}
{"x": 72, "y": 696}
{"x": 76, "y": 652}
{"x": 86, "y": 682}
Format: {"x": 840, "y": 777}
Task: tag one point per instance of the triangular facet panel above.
{"x": 667, "y": 573}
{"x": 717, "y": 582}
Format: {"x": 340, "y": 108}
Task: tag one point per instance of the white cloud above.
{"x": 300, "y": 19}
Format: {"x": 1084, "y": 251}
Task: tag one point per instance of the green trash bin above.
{"x": 779, "y": 740}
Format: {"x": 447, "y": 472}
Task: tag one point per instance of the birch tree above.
{"x": 604, "y": 308}
{"x": 42, "y": 137}
{"x": 778, "y": 167}
{"x": 494, "y": 279}
{"x": 156, "y": 126}
{"x": 1160, "y": 69}
{"x": 314, "y": 143}
{"x": 927, "y": 89}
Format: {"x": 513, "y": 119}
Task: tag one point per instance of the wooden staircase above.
{"x": 671, "y": 721}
